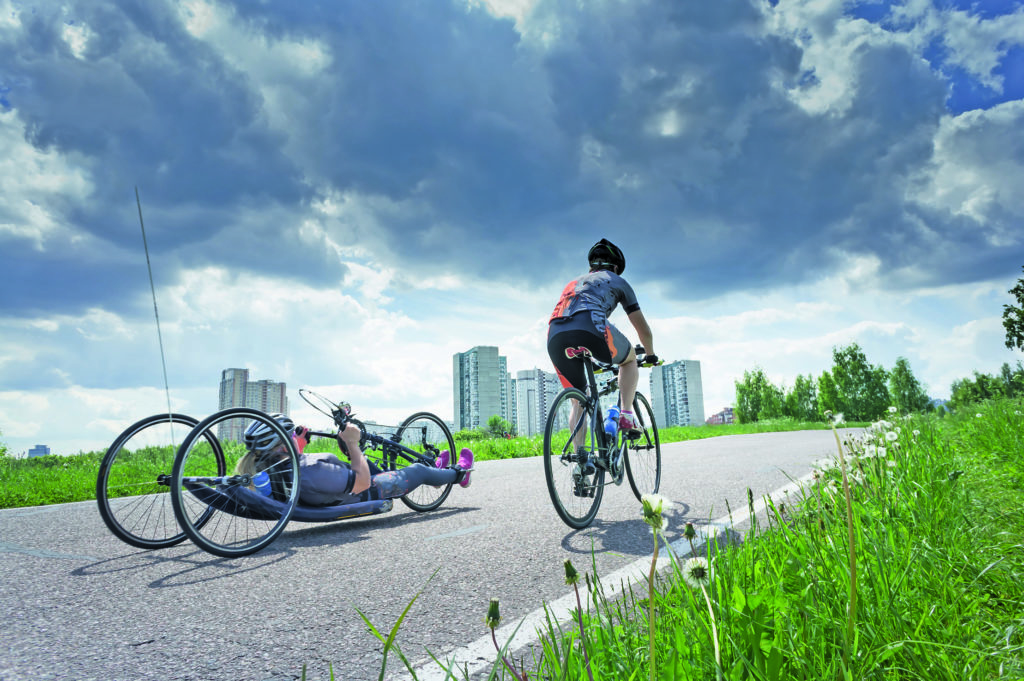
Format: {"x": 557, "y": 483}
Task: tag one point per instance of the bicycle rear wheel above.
{"x": 576, "y": 496}
{"x": 237, "y": 521}
{"x": 134, "y": 480}
{"x": 428, "y": 435}
{"x": 643, "y": 456}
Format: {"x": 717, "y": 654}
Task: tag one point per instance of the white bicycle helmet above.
{"x": 260, "y": 438}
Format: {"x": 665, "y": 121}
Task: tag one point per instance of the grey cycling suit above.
{"x": 582, "y": 311}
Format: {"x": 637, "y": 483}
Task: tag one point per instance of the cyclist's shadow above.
{"x": 634, "y": 537}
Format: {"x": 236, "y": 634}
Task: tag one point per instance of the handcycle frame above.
{"x": 612, "y": 454}
{"x": 210, "y": 506}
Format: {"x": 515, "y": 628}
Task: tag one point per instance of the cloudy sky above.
{"x": 342, "y": 195}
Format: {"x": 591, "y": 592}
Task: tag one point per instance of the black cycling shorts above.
{"x": 579, "y": 331}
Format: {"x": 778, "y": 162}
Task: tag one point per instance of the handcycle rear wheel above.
{"x": 428, "y": 435}
{"x": 134, "y": 480}
{"x": 576, "y": 497}
{"x": 643, "y": 456}
{"x": 232, "y": 528}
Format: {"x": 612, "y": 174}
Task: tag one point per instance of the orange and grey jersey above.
{"x": 598, "y": 292}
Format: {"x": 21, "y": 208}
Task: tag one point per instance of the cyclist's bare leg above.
{"x": 629, "y": 376}
{"x": 577, "y": 438}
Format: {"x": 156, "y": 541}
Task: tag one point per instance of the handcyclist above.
{"x": 579, "y": 325}
{"x": 325, "y": 480}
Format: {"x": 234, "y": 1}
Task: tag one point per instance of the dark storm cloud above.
{"x": 665, "y": 126}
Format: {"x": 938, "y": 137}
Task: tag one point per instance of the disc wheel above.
{"x": 133, "y": 484}
{"x": 234, "y": 525}
{"x": 643, "y": 456}
{"x": 576, "y": 497}
{"x": 428, "y": 435}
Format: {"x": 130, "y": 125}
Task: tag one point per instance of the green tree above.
{"x": 906, "y": 392}
{"x": 1013, "y": 318}
{"x": 862, "y": 387}
{"x": 801, "y": 402}
{"x": 497, "y": 426}
{"x": 757, "y": 397}
{"x": 3, "y": 447}
{"x": 982, "y": 387}
{"x": 829, "y": 398}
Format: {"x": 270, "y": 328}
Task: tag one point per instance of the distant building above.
{"x": 536, "y": 390}
{"x": 38, "y": 450}
{"x": 677, "y": 395}
{"x": 237, "y": 391}
{"x": 722, "y": 417}
{"x": 482, "y": 387}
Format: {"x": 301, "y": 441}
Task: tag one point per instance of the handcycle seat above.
{"x": 247, "y": 503}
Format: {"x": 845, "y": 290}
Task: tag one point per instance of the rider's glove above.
{"x": 301, "y": 437}
{"x": 652, "y": 360}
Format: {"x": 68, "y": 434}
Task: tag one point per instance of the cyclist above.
{"x": 325, "y": 480}
{"x": 579, "y": 325}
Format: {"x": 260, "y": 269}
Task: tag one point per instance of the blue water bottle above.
{"x": 611, "y": 423}
{"x": 261, "y": 481}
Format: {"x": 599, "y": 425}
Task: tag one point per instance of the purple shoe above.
{"x": 444, "y": 460}
{"x": 465, "y": 466}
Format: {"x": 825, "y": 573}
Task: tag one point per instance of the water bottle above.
{"x": 262, "y": 483}
{"x": 611, "y": 423}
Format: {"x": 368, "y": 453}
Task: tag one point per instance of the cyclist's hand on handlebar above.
{"x": 651, "y": 360}
{"x": 301, "y": 437}
{"x": 350, "y": 435}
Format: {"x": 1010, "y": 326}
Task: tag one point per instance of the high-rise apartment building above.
{"x": 237, "y": 391}
{"x": 482, "y": 387}
{"x": 677, "y": 396}
{"x": 536, "y": 390}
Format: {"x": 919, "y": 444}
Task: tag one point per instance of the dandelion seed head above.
{"x": 977, "y": 416}
{"x": 892, "y": 410}
{"x": 697, "y": 572}
{"x": 891, "y": 436}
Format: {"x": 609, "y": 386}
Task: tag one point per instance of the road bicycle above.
{"x": 152, "y": 494}
{"x": 575, "y": 433}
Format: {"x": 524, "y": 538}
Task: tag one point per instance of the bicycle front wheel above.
{"x": 133, "y": 484}
{"x": 427, "y": 435}
{"x": 643, "y": 453}
{"x": 236, "y": 520}
{"x": 568, "y": 440}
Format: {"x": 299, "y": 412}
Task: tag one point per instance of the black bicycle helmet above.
{"x": 260, "y": 438}
{"x": 605, "y": 254}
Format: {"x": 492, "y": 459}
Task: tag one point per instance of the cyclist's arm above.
{"x": 643, "y": 330}
{"x": 361, "y": 469}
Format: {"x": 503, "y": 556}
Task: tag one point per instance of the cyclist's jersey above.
{"x": 597, "y": 292}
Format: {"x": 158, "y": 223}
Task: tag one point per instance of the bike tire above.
{"x": 132, "y": 485}
{"x": 576, "y": 499}
{"x": 643, "y": 453}
{"x": 229, "y": 531}
{"x": 427, "y": 434}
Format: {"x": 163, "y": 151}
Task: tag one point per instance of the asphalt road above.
{"x": 77, "y": 603}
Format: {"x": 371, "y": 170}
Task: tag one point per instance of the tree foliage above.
{"x": 1009, "y": 383}
{"x": 906, "y": 391}
{"x": 757, "y": 397}
{"x": 801, "y": 403}
{"x": 1013, "y": 318}
{"x": 861, "y": 387}
{"x": 498, "y": 427}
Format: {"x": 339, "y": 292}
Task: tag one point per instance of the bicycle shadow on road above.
{"x": 196, "y": 566}
{"x": 627, "y": 537}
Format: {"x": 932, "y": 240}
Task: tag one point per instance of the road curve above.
{"x": 79, "y": 604}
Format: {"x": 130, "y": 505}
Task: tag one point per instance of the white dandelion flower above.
{"x": 892, "y": 410}
{"x": 697, "y": 572}
{"x": 891, "y": 436}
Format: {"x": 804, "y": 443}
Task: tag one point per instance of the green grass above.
{"x": 937, "y": 521}
{"x": 57, "y": 479}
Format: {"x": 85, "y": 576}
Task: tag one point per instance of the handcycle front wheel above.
{"x": 643, "y": 454}
{"x": 236, "y": 522}
{"x": 576, "y": 496}
{"x": 428, "y": 435}
{"x": 133, "y": 484}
